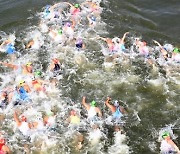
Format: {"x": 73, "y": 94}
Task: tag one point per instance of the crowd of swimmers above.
{"x": 66, "y": 18}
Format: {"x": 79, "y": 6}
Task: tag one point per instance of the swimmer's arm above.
{"x": 174, "y": 145}
{"x": 111, "y": 107}
{"x": 102, "y": 38}
{"x": 29, "y": 44}
{"x": 156, "y": 42}
{"x": 9, "y": 65}
{"x": 99, "y": 112}
{"x": 122, "y": 40}
{"x": 6, "y": 149}
{"x": 69, "y": 4}
{"x": 73, "y": 23}
{"x": 87, "y": 106}
{"x": 18, "y": 122}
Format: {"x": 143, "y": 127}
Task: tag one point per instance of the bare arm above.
{"x": 111, "y": 107}
{"x": 156, "y": 42}
{"x": 174, "y": 145}
{"x": 99, "y": 112}
{"x": 87, "y": 106}
{"x": 122, "y": 40}
{"x": 9, "y": 65}
{"x": 69, "y": 4}
{"x": 18, "y": 122}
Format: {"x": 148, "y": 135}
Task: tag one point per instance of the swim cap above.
{"x": 79, "y": 41}
{"x": 50, "y": 113}
{"x": 60, "y": 31}
{"x": 93, "y": 103}
{"x": 68, "y": 24}
{"x": 28, "y": 64}
{"x": 76, "y": 5}
{"x": 93, "y": 18}
{"x": 165, "y": 134}
{"x": 116, "y": 103}
{"x": 38, "y": 73}
{"x": 21, "y": 82}
{"x": 176, "y": 50}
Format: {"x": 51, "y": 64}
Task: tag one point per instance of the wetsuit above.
{"x": 57, "y": 69}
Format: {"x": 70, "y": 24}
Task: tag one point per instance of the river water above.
{"x": 150, "y": 95}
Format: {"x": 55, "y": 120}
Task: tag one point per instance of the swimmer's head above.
{"x": 21, "y": 83}
{"x": 93, "y": 18}
{"x": 176, "y": 50}
{"x": 73, "y": 112}
{"x": 2, "y": 140}
{"x": 28, "y": 64}
{"x": 68, "y": 24}
{"x": 37, "y": 73}
{"x": 60, "y": 31}
{"x": 93, "y": 103}
{"x": 116, "y": 103}
{"x": 55, "y": 60}
{"x": 23, "y": 118}
{"x": 76, "y": 5}
{"x": 50, "y": 113}
{"x": 79, "y": 41}
{"x": 165, "y": 134}
{"x": 144, "y": 43}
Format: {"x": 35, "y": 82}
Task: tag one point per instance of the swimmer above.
{"x": 57, "y": 35}
{"x": 119, "y": 43}
{"x": 79, "y": 43}
{"x": 55, "y": 67}
{"x": 34, "y": 43}
{"x": 4, "y": 99}
{"x": 110, "y": 44}
{"x": 26, "y": 69}
{"x": 92, "y": 109}
{"x": 74, "y": 9}
{"x": 116, "y": 109}
{"x": 49, "y": 119}
{"x": 176, "y": 55}
{"x": 37, "y": 83}
{"x": 142, "y": 48}
{"x": 73, "y": 118}
{"x": 92, "y": 20}
{"x": 21, "y": 93}
{"x": 167, "y": 145}
{"x": 68, "y": 29}
{"x": 162, "y": 49}
{"x": 8, "y": 46}
{"x": 93, "y": 7}
{"x": 4, "y": 149}
{"x": 22, "y": 124}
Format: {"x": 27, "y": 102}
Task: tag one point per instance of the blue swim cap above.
{"x": 93, "y": 18}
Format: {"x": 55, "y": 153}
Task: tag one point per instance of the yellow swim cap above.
{"x": 28, "y": 64}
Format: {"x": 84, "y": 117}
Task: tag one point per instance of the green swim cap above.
{"x": 76, "y": 5}
{"x": 38, "y": 73}
{"x": 165, "y": 134}
{"x": 176, "y": 50}
{"x": 60, "y": 31}
{"x": 50, "y": 113}
{"x": 93, "y": 103}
